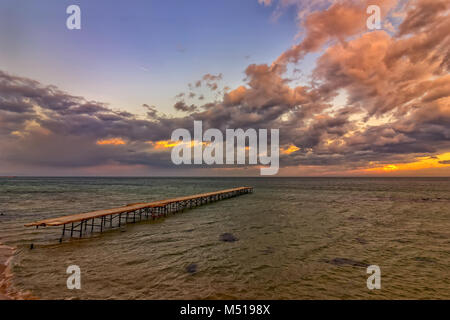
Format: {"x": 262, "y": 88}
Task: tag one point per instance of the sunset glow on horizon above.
{"x": 439, "y": 161}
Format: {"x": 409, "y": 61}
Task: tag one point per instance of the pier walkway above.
{"x": 99, "y": 220}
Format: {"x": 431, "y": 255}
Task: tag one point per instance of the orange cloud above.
{"x": 163, "y": 144}
{"x": 292, "y": 148}
{"x": 235, "y": 97}
{"x": 112, "y": 141}
{"x": 339, "y": 21}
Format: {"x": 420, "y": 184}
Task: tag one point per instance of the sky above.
{"x": 104, "y": 100}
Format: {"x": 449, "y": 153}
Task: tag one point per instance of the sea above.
{"x": 296, "y": 238}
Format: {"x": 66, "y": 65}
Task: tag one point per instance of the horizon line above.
{"x": 177, "y": 177}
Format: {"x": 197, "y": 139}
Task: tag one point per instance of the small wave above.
{"x": 6, "y": 254}
{"x": 346, "y": 261}
{"x": 425, "y": 259}
{"x": 7, "y": 290}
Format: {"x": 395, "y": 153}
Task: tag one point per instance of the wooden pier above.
{"x": 100, "y": 220}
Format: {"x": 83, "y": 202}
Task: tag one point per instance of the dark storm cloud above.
{"x": 211, "y": 80}
{"x": 182, "y": 106}
{"x": 42, "y": 125}
{"x": 15, "y": 106}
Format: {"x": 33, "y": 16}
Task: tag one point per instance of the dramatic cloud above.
{"x": 338, "y": 22}
{"x": 378, "y": 102}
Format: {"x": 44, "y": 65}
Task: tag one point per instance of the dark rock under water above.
{"x": 228, "y": 237}
{"x": 361, "y": 240}
{"x": 192, "y": 268}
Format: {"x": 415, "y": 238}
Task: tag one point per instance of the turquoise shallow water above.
{"x": 299, "y": 238}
